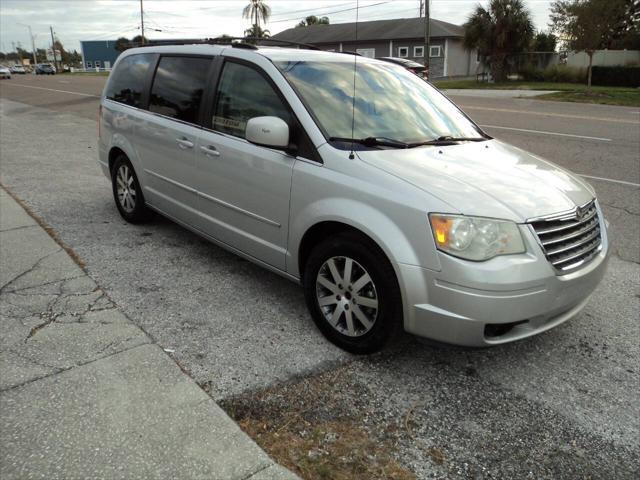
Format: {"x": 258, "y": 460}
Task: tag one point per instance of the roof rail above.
{"x": 237, "y": 42}
{"x": 255, "y": 40}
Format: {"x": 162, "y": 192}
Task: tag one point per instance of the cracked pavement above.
{"x": 85, "y": 393}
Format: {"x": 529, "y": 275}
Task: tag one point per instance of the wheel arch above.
{"x": 114, "y": 153}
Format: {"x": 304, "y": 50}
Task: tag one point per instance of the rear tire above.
{"x": 127, "y": 192}
{"x": 352, "y": 293}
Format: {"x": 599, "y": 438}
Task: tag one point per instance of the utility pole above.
{"x": 425, "y": 4}
{"x": 141, "y": 23}
{"x": 53, "y": 50}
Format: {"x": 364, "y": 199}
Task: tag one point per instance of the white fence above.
{"x": 604, "y": 58}
{"x": 90, "y": 70}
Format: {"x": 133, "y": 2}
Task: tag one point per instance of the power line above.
{"x": 311, "y": 9}
{"x": 331, "y": 13}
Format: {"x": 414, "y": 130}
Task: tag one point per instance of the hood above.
{"x": 488, "y": 179}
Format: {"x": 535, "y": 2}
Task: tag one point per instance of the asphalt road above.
{"x": 561, "y": 405}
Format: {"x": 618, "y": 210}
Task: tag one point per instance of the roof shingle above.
{"x": 400, "y": 28}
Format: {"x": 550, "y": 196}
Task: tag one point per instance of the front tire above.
{"x": 352, "y": 293}
{"x": 127, "y": 192}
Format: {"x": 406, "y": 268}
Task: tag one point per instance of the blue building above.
{"x": 99, "y": 53}
{"x": 103, "y": 53}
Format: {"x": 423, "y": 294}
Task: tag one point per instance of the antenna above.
{"x": 353, "y": 100}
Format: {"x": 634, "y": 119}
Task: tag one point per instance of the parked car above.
{"x": 393, "y": 210}
{"x": 413, "y": 67}
{"x": 45, "y": 69}
{"x": 4, "y": 72}
{"x": 18, "y": 69}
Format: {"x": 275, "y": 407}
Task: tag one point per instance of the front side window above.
{"x": 243, "y": 94}
{"x": 389, "y": 102}
{"x": 126, "y": 83}
{"x": 178, "y": 86}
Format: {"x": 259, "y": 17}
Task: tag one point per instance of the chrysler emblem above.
{"x": 581, "y": 212}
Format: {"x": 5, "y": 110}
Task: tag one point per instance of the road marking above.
{"x": 547, "y": 133}
{"x": 611, "y": 180}
{"x": 54, "y": 90}
{"x": 549, "y": 114}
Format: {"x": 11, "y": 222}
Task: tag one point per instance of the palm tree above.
{"x": 256, "y": 32}
{"x": 257, "y": 10}
{"x": 499, "y": 32}
{"x": 313, "y": 20}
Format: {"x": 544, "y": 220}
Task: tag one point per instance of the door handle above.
{"x": 210, "y": 150}
{"x": 184, "y": 143}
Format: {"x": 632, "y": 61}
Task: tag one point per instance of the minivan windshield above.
{"x": 391, "y": 103}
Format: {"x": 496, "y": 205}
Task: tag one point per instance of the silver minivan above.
{"x": 389, "y": 205}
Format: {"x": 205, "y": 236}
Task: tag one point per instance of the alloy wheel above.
{"x": 126, "y": 188}
{"x": 347, "y": 296}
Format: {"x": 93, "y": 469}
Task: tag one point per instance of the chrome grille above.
{"x": 571, "y": 240}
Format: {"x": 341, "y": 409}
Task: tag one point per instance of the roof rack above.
{"x": 254, "y": 40}
{"x": 237, "y": 42}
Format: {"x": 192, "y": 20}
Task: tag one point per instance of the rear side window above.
{"x": 243, "y": 94}
{"x": 126, "y": 83}
{"x": 178, "y": 86}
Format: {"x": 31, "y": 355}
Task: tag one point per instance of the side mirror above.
{"x": 268, "y": 132}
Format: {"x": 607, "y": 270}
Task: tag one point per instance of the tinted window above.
{"x": 178, "y": 86}
{"x": 127, "y": 81}
{"x": 243, "y": 94}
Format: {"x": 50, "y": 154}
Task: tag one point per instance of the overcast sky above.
{"x": 75, "y": 20}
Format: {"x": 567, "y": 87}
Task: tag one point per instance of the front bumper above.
{"x": 504, "y": 299}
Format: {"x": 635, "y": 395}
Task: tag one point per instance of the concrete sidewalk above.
{"x": 84, "y": 393}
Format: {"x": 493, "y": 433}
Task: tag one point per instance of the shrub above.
{"x": 616, "y": 76}
{"x": 529, "y": 73}
{"x": 564, "y": 74}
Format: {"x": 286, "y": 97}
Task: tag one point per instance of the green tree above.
{"x": 313, "y": 20}
{"x": 590, "y": 25}
{"x": 502, "y": 30}
{"x": 139, "y": 40}
{"x": 122, "y": 44}
{"x": 544, "y": 42}
{"x": 256, "y": 10}
{"x": 256, "y": 32}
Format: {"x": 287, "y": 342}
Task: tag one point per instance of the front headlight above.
{"x": 475, "y": 238}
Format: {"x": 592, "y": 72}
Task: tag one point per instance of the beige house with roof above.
{"x": 402, "y": 37}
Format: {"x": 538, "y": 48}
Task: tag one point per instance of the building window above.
{"x": 89, "y": 65}
{"x": 418, "y": 52}
{"x": 97, "y": 63}
{"x": 435, "y": 51}
{"x": 403, "y": 52}
{"x": 367, "y": 52}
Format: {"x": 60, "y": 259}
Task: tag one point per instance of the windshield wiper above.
{"x": 448, "y": 140}
{"x": 373, "y": 142}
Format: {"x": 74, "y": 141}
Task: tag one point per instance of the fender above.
{"x": 387, "y": 234}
